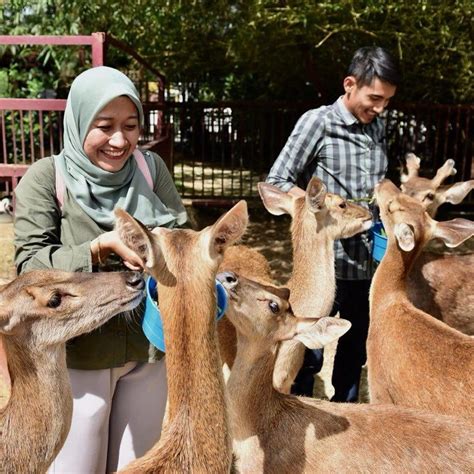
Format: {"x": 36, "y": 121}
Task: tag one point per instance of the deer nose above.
{"x": 135, "y": 281}
{"x": 228, "y": 279}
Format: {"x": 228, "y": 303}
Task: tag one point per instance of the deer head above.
{"x": 263, "y": 313}
{"x": 407, "y": 220}
{"x": 337, "y": 216}
{"x": 45, "y": 308}
{"x": 167, "y": 253}
{"x": 430, "y": 192}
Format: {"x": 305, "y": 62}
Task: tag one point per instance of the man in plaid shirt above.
{"x": 344, "y": 145}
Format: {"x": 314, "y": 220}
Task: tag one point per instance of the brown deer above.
{"x": 318, "y": 219}
{"x": 431, "y": 192}
{"x": 414, "y": 359}
{"x": 39, "y": 312}
{"x": 441, "y": 285}
{"x": 248, "y": 262}
{"x": 280, "y": 433}
{"x": 184, "y": 263}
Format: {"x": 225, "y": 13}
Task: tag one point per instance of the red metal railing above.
{"x": 223, "y": 149}
{"x": 31, "y": 129}
{"x": 95, "y": 40}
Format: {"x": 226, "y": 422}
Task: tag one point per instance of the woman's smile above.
{"x": 115, "y": 154}
{"x": 113, "y": 135}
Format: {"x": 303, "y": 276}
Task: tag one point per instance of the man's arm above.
{"x": 300, "y": 149}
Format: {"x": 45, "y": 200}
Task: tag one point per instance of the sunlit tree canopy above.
{"x": 250, "y": 49}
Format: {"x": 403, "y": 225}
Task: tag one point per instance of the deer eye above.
{"x": 54, "y": 301}
{"x": 343, "y": 205}
{"x": 274, "y": 308}
{"x": 430, "y": 196}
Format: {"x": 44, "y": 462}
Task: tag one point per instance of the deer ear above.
{"x": 136, "y": 237}
{"x": 457, "y": 192}
{"x": 5, "y": 379}
{"x": 317, "y": 333}
{"x": 446, "y": 170}
{"x": 10, "y": 321}
{"x": 276, "y": 201}
{"x": 229, "y": 228}
{"x": 315, "y": 194}
{"x": 454, "y": 232}
{"x": 405, "y": 236}
{"x": 412, "y": 165}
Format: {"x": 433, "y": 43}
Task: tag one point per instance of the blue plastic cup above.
{"x": 379, "y": 242}
{"x": 152, "y": 325}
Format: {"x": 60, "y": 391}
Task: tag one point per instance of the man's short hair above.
{"x": 371, "y": 62}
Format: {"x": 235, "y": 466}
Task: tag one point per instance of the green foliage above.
{"x": 5, "y": 90}
{"x": 252, "y": 48}
{"x": 32, "y": 69}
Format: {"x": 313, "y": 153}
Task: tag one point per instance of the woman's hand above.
{"x": 110, "y": 242}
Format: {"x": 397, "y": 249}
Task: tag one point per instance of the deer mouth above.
{"x": 230, "y": 282}
{"x": 124, "y": 303}
{"x": 134, "y": 300}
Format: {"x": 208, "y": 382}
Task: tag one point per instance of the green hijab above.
{"x": 98, "y": 191}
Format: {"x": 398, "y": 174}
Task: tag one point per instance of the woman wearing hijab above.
{"x": 64, "y": 219}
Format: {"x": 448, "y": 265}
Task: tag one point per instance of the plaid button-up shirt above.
{"x": 350, "y": 157}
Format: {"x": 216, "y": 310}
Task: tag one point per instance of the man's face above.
{"x": 368, "y": 101}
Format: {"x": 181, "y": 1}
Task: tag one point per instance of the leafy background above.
{"x": 249, "y": 49}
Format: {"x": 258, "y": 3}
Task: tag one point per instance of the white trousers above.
{"x": 117, "y": 416}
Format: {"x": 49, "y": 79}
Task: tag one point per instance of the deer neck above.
{"x": 196, "y": 389}
{"x": 252, "y": 397}
{"x": 41, "y": 400}
{"x": 389, "y": 281}
{"x": 312, "y": 282}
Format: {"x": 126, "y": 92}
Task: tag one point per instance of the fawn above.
{"x": 414, "y": 359}
{"x": 39, "y": 312}
{"x": 318, "y": 219}
{"x": 184, "y": 263}
{"x": 279, "y": 433}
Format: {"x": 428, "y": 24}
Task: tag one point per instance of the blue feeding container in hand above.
{"x": 153, "y": 326}
{"x": 379, "y": 241}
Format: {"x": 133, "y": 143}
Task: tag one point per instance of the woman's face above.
{"x": 113, "y": 134}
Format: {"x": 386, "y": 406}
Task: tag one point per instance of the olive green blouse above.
{"x": 47, "y": 236}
